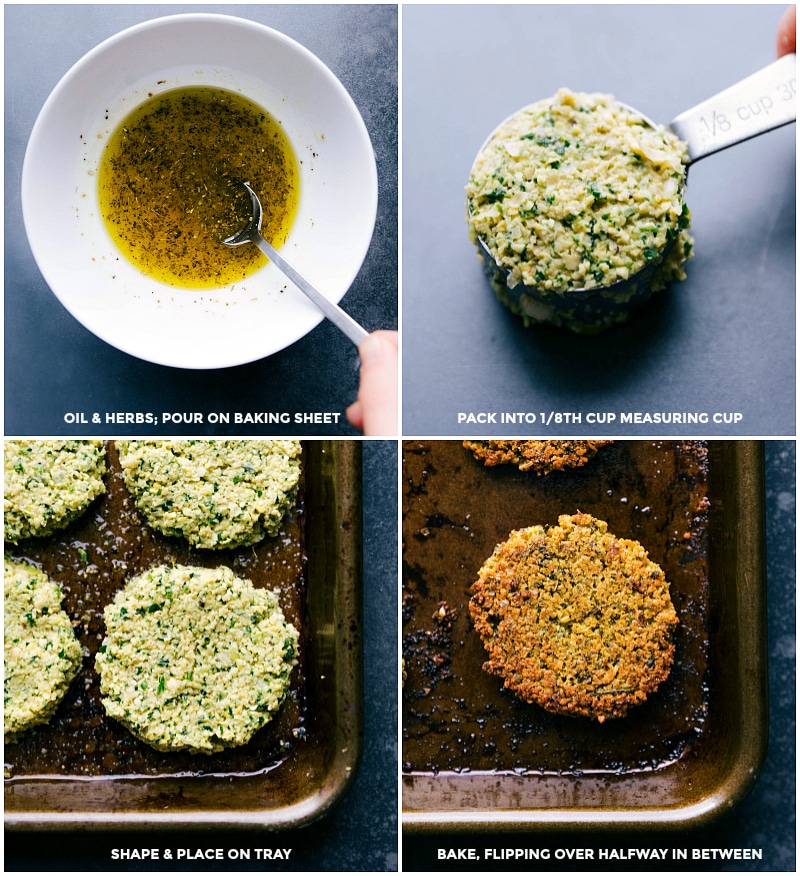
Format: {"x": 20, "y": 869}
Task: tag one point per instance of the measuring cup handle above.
{"x": 762, "y": 102}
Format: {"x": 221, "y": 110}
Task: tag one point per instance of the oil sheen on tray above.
{"x": 92, "y": 560}
{"x": 458, "y": 718}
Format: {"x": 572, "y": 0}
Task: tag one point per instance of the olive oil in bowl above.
{"x": 170, "y": 185}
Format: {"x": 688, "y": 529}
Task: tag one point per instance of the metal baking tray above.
{"x": 84, "y": 770}
{"x": 474, "y": 756}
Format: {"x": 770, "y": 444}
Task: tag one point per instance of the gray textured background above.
{"x": 722, "y": 341}
{"x": 71, "y": 369}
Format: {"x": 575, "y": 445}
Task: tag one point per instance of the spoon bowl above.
{"x": 251, "y": 233}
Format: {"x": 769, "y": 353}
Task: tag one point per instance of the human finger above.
{"x": 375, "y": 410}
{"x": 787, "y": 32}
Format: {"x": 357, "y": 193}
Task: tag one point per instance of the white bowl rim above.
{"x": 197, "y": 17}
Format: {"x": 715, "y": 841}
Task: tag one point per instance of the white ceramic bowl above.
{"x": 144, "y": 317}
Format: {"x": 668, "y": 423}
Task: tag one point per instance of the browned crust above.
{"x": 541, "y": 456}
{"x": 574, "y": 618}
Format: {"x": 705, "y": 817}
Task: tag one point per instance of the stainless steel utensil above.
{"x": 251, "y": 233}
{"x": 755, "y": 105}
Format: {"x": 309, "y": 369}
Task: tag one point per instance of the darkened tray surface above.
{"x": 473, "y": 754}
{"x": 85, "y": 769}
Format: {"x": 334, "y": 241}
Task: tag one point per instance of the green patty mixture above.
{"x": 580, "y": 192}
{"x": 215, "y": 494}
{"x": 41, "y": 655}
{"x": 195, "y": 659}
{"x": 47, "y": 484}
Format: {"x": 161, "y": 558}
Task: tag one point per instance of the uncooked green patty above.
{"x": 48, "y": 484}
{"x": 579, "y": 192}
{"x": 542, "y": 457}
{"x": 574, "y": 618}
{"x": 215, "y": 494}
{"x": 41, "y": 655}
{"x": 194, "y": 658}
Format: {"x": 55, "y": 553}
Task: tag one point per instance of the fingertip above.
{"x": 355, "y": 415}
{"x": 787, "y": 32}
{"x": 371, "y": 349}
{"x": 378, "y": 391}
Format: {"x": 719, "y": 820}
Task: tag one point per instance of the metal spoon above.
{"x": 758, "y": 104}
{"x": 251, "y": 233}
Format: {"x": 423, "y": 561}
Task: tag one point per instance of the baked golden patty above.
{"x": 541, "y": 456}
{"x": 574, "y": 618}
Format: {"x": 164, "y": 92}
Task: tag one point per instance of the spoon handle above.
{"x": 335, "y": 314}
{"x": 760, "y": 103}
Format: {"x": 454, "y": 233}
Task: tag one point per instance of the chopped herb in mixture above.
{"x": 186, "y": 676}
{"x": 590, "y": 194}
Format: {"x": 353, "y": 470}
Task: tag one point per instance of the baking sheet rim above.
{"x": 740, "y": 776}
{"x": 343, "y": 767}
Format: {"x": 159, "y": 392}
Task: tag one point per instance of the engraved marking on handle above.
{"x": 759, "y": 103}
{"x": 763, "y": 105}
